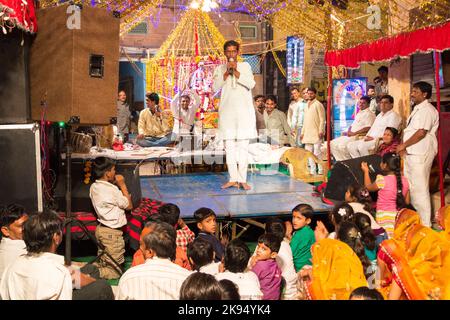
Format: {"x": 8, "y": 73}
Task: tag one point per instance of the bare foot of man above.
{"x": 229, "y": 184}
{"x": 245, "y": 186}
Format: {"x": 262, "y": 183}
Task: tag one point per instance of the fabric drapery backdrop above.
{"x": 19, "y": 13}
{"x": 402, "y": 45}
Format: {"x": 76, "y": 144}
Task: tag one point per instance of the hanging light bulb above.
{"x": 195, "y": 5}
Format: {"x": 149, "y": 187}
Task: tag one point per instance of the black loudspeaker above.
{"x": 345, "y": 173}
{"x": 74, "y": 68}
{"x": 20, "y": 166}
{"x": 81, "y": 202}
{"x": 14, "y": 77}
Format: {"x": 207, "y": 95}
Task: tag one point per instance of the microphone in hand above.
{"x": 230, "y": 70}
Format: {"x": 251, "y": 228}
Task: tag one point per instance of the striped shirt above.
{"x": 156, "y": 279}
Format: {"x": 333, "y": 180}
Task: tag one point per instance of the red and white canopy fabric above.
{"x": 17, "y": 14}
{"x": 435, "y": 38}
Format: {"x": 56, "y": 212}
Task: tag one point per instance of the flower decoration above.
{"x": 87, "y": 172}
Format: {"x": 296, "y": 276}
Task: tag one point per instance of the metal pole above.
{"x": 68, "y": 248}
{"x": 439, "y": 135}
{"x": 329, "y": 101}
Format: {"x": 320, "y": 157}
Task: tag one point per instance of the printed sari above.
{"x": 336, "y": 271}
{"x": 417, "y": 259}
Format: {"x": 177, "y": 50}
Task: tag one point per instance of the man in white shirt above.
{"x": 12, "y": 246}
{"x": 298, "y": 106}
{"x": 158, "y": 278}
{"x": 420, "y": 147}
{"x": 110, "y": 204}
{"x": 184, "y": 112}
{"x": 360, "y": 126}
{"x": 386, "y": 118}
{"x": 40, "y": 274}
{"x": 313, "y": 129}
{"x": 236, "y": 260}
{"x": 237, "y": 121}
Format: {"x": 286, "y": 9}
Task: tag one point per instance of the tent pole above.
{"x": 438, "y": 102}
{"x": 329, "y": 100}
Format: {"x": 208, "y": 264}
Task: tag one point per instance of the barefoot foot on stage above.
{"x": 230, "y": 184}
{"x": 245, "y": 186}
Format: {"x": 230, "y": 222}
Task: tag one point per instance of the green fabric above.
{"x": 301, "y": 243}
{"x": 371, "y": 254}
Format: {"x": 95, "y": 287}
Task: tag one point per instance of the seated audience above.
{"x": 364, "y": 293}
{"x": 230, "y": 290}
{"x": 284, "y": 258}
{"x": 277, "y": 128}
{"x": 158, "y": 278}
{"x": 360, "y": 126}
{"x": 12, "y": 246}
{"x": 235, "y": 263}
{"x": 387, "y": 118}
{"x": 414, "y": 264}
{"x": 207, "y": 224}
{"x": 390, "y": 141}
{"x": 336, "y": 271}
{"x": 201, "y": 256}
{"x": 303, "y": 237}
{"x": 41, "y": 274}
{"x": 264, "y": 265}
{"x": 358, "y": 197}
{"x": 349, "y": 234}
{"x": 201, "y": 286}
{"x": 154, "y": 125}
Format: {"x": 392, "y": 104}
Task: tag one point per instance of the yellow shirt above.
{"x": 151, "y": 125}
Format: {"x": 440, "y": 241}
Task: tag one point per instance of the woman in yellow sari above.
{"x": 415, "y": 263}
{"x": 336, "y": 271}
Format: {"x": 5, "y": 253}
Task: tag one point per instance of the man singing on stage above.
{"x": 237, "y": 122}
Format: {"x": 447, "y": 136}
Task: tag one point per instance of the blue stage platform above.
{"x": 271, "y": 195}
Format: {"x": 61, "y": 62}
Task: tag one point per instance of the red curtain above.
{"x": 19, "y": 13}
{"x": 402, "y": 45}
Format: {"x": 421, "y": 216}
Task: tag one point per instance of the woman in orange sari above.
{"x": 414, "y": 264}
{"x": 443, "y": 219}
{"x": 335, "y": 273}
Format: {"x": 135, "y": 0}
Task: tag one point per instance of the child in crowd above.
{"x": 12, "y": 218}
{"x": 201, "y": 286}
{"x": 201, "y": 256}
{"x": 359, "y": 199}
{"x": 303, "y": 237}
{"x": 340, "y": 213}
{"x": 364, "y": 293}
{"x": 284, "y": 258}
{"x": 349, "y": 234}
{"x": 181, "y": 258}
{"x": 171, "y": 212}
{"x": 235, "y": 262}
{"x": 390, "y": 141}
{"x": 368, "y": 238}
{"x": 230, "y": 291}
{"x": 266, "y": 267}
{"x": 207, "y": 224}
{"x": 393, "y": 190}
{"x": 110, "y": 198}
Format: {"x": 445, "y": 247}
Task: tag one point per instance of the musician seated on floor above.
{"x": 154, "y": 126}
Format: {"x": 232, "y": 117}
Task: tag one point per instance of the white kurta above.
{"x": 236, "y": 112}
